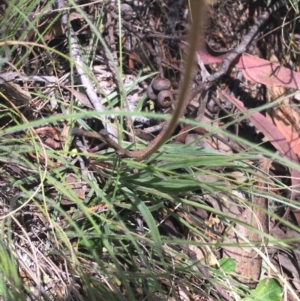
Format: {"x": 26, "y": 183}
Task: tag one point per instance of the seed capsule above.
{"x": 164, "y": 99}
{"x": 161, "y": 84}
{"x": 127, "y": 12}
{"x": 150, "y": 93}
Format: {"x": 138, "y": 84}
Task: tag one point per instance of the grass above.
{"x": 120, "y": 229}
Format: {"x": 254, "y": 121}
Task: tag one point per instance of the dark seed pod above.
{"x": 161, "y": 84}
{"x": 164, "y": 99}
{"x": 127, "y": 12}
{"x": 150, "y": 93}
